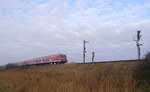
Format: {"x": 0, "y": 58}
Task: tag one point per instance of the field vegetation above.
{"x": 101, "y": 77}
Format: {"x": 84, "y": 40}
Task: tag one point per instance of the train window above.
{"x": 48, "y": 58}
{"x": 33, "y": 61}
{"x": 38, "y": 60}
{"x": 45, "y": 58}
{"x": 51, "y": 57}
{"x": 63, "y": 56}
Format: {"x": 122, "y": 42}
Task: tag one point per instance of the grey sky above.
{"x": 37, "y": 28}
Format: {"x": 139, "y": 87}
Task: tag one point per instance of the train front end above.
{"x": 61, "y": 58}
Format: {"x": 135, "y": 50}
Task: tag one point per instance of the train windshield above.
{"x": 63, "y": 56}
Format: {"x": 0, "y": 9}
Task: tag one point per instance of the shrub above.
{"x": 142, "y": 73}
{"x": 147, "y": 56}
{"x": 4, "y": 88}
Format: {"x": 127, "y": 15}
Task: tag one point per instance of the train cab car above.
{"x": 55, "y": 59}
{"x": 52, "y": 59}
{"x": 63, "y": 58}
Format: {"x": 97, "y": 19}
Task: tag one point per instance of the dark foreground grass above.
{"x": 105, "y": 77}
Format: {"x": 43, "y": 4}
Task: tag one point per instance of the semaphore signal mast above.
{"x": 84, "y": 50}
{"x": 138, "y": 44}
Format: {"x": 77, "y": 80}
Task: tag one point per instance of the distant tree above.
{"x": 147, "y": 56}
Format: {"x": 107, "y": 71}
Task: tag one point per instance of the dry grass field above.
{"x": 101, "y": 77}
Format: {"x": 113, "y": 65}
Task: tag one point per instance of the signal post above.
{"x": 84, "y": 50}
{"x": 138, "y": 44}
{"x": 93, "y": 56}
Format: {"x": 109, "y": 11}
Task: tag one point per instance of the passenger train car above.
{"x": 52, "y": 59}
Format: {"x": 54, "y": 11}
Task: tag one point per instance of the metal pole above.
{"x": 84, "y": 50}
{"x": 139, "y": 52}
{"x": 93, "y": 56}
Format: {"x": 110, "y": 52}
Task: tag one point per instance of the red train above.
{"x": 52, "y": 59}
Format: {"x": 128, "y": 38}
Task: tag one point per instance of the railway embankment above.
{"x": 96, "y": 77}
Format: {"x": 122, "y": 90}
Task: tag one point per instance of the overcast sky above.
{"x": 34, "y": 28}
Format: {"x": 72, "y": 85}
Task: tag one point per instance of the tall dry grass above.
{"x": 106, "y": 77}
